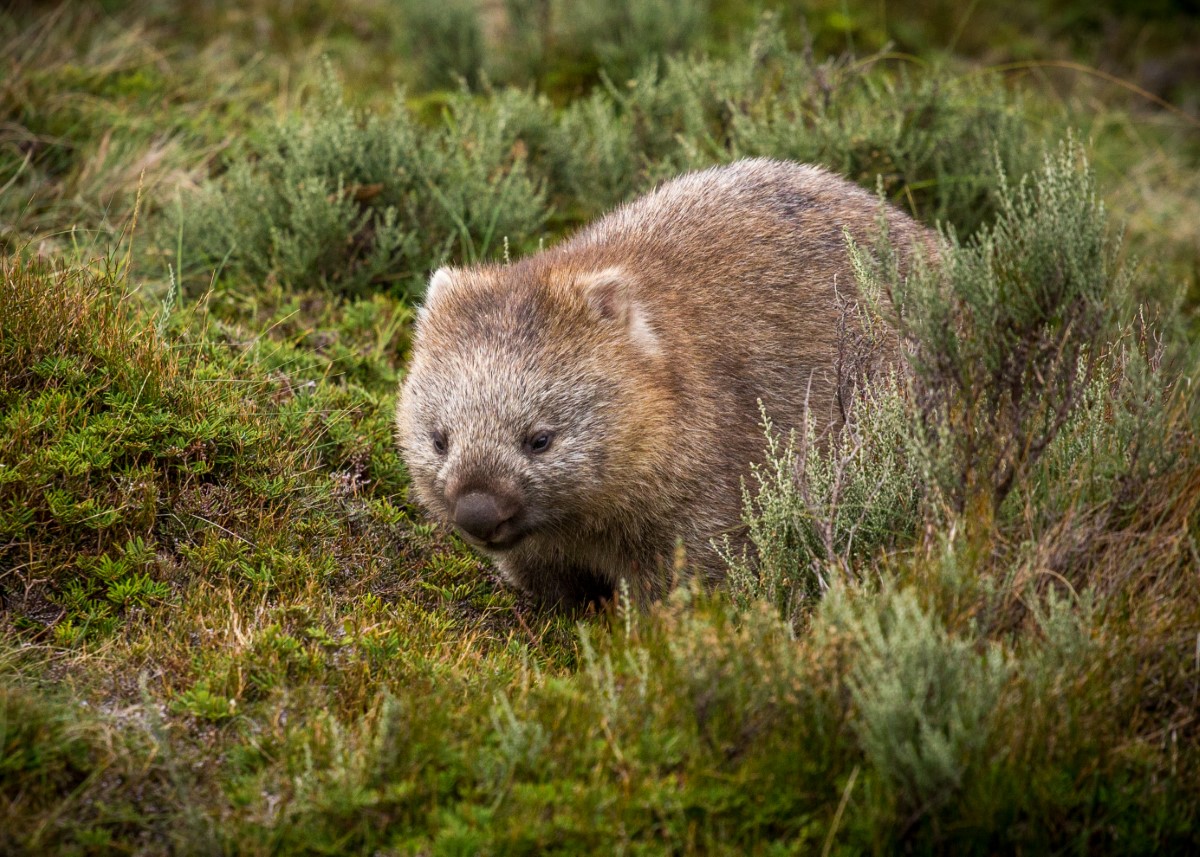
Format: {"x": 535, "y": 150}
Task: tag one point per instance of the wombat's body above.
{"x": 580, "y": 413}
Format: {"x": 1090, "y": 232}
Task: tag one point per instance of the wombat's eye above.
{"x": 539, "y": 442}
{"x": 439, "y": 442}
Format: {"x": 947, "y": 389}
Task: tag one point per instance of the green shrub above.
{"x": 930, "y": 139}
{"x": 924, "y": 700}
{"x": 631, "y": 133}
{"x": 444, "y": 40}
{"x": 356, "y": 202}
{"x": 1006, "y": 329}
{"x": 353, "y": 202}
{"x": 819, "y": 513}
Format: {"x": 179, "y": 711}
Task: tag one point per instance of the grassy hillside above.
{"x": 970, "y": 625}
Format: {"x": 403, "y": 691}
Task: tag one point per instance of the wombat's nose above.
{"x": 481, "y": 514}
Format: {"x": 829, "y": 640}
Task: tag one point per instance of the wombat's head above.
{"x": 528, "y": 410}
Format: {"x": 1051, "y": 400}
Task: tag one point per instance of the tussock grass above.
{"x": 969, "y": 623}
{"x": 86, "y": 127}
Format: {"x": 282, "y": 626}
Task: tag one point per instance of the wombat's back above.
{"x": 745, "y": 276}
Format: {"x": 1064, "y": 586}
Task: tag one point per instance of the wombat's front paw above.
{"x": 562, "y": 588}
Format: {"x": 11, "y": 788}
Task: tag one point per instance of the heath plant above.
{"x": 356, "y": 202}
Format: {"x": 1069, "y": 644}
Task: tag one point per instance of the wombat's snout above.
{"x": 488, "y": 517}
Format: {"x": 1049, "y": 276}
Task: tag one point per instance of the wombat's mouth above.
{"x": 506, "y": 542}
{"x": 505, "y": 538}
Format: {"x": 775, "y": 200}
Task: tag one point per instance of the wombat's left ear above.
{"x": 610, "y": 294}
{"x": 439, "y": 284}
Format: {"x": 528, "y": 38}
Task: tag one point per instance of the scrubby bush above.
{"x": 876, "y": 127}
{"x": 819, "y": 512}
{"x": 1008, "y": 329}
{"x": 929, "y": 141}
{"x": 353, "y": 202}
{"x": 1028, "y": 406}
{"x": 924, "y": 700}
{"x": 558, "y": 45}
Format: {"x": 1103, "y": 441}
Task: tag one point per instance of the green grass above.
{"x": 969, "y": 626}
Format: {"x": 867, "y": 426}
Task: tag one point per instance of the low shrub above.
{"x": 355, "y": 203}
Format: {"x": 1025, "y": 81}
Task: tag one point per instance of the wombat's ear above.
{"x": 439, "y": 284}
{"x": 610, "y": 295}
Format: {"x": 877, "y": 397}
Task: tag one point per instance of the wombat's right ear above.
{"x": 609, "y": 295}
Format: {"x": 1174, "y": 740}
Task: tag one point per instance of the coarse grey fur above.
{"x": 642, "y": 347}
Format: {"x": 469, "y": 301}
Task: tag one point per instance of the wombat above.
{"x": 582, "y": 414}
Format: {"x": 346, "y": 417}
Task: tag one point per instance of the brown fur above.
{"x": 645, "y": 343}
